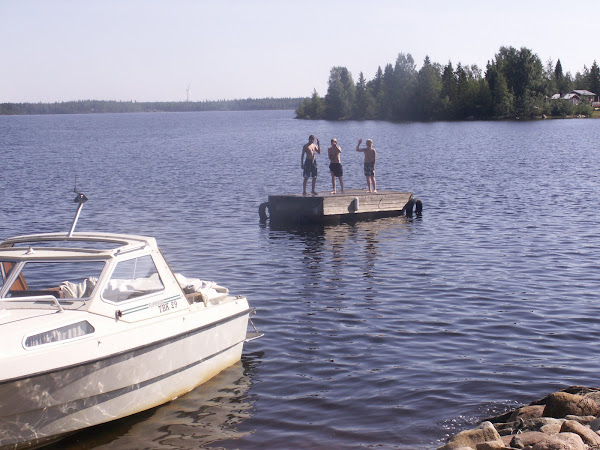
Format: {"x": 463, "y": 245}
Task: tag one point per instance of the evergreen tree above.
{"x": 560, "y": 80}
{"x": 340, "y": 94}
{"x": 348, "y": 83}
{"x": 581, "y": 78}
{"x": 484, "y": 102}
{"x": 462, "y": 92}
{"x": 301, "y": 111}
{"x": 569, "y": 82}
{"x": 550, "y": 87}
{"x": 594, "y": 79}
{"x": 317, "y": 105}
{"x": 384, "y": 97}
{"x": 404, "y": 81}
{"x": 376, "y": 83}
{"x": 364, "y": 104}
{"x": 502, "y": 99}
{"x": 448, "y": 93}
{"x": 428, "y": 88}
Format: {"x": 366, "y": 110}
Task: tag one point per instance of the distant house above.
{"x": 577, "y": 96}
{"x": 584, "y": 94}
{"x": 572, "y": 97}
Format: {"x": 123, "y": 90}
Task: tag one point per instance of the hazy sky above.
{"x": 152, "y": 50}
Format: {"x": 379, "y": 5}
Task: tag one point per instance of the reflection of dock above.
{"x": 325, "y": 207}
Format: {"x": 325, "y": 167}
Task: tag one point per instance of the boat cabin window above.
{"x": 62, "y": 279}
{"x": 71, "y": 331}
{"x": 133, "y": 278}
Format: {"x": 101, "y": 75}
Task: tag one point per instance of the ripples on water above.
{"x": 394, "y": 332}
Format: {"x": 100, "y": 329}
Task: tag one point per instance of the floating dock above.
{"x": 353, "y": 204}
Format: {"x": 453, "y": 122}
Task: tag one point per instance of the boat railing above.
{"x": 252, "y": 335}
{"x": 32, "y": 302}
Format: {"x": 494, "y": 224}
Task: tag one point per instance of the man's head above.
{"x": 311, "y": 138}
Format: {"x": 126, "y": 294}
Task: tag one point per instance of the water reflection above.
{"x": 332, "y": 248}
{"x": 205, "y": 416}
{"x": 370, "y": 252}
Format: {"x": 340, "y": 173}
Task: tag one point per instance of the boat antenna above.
{"x": 80, "y": 200}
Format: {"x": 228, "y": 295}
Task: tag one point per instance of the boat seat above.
{"x": 194, "y": 297}
{"x": 196, "y": 290}
{"x": 78, "y": 290}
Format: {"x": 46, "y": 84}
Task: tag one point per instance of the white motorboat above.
{"x": 96, "y": 327}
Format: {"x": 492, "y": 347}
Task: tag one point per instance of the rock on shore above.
{"x": 565, "y": 420}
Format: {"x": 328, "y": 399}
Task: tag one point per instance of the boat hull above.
{"x": 55, "y": 403}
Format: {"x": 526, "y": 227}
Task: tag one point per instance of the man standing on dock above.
{"x": 335, "y": 167}
{"x": 370, "y": 160}
{"x": 309, "y": 166}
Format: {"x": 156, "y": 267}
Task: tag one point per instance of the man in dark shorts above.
{"x": 369, "y": 165}
{"x": 309, "y": 166}
{"x": 335, "y": 167}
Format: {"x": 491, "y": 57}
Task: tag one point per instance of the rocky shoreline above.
{"x": 564, "y": 420}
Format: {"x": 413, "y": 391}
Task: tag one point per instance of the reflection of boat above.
{"x": 96, "y": 327}
{"x": 208, "y": 414}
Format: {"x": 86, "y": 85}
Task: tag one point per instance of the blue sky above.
{"x": 152, "y": 50}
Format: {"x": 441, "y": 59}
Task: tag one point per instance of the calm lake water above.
{"x": 392, "y": 333}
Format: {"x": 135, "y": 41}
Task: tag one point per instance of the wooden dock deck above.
{"x": 327, "y": 207}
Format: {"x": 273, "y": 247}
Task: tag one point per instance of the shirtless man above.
{"x": 310, "y": 165}
{"x": 335, "y": 167}
{"x": 370, "y": 160}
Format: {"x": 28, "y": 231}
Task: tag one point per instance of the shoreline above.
{"x": 568, "y": 419}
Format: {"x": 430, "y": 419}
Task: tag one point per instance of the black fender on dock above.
{"x": 418, "y": 207}
{"x": 262, "y": 211}
{"x": 413, "y": 204}
{"x": 408, "y": 208}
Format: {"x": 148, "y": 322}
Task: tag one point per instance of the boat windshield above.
{"x": 61, "y": 279}
{"x": 133, "y": 278}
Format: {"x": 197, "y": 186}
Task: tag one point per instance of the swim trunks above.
{"x": 336, "y": 169}
{"x": 369, "y": 169}
{"x": 310, "y": 168}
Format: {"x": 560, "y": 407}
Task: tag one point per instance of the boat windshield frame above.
{"x": 105, "y": 250}
{"x": 69, "y": 280}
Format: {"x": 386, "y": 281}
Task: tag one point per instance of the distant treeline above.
{"x": 102, "y": 106}
{"x": 515, "y": 84}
